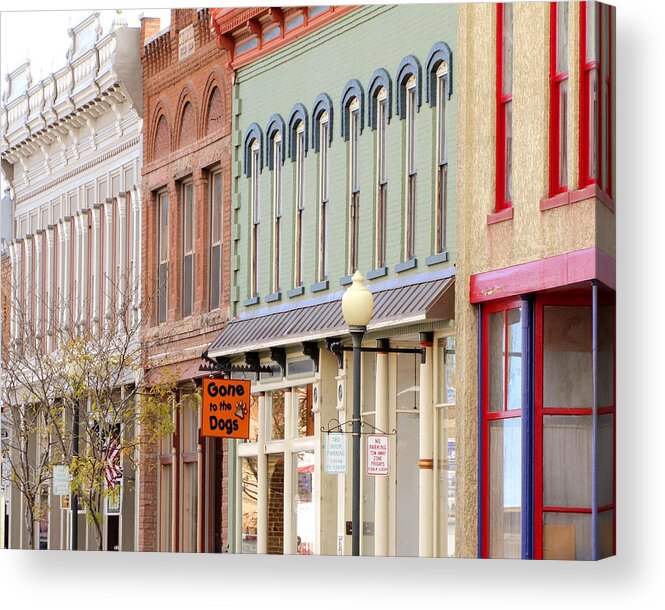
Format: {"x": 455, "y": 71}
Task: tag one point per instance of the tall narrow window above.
{"x": 410, "y": 156}
{"x": 504, "y": 115}
{"x": 300, "y": 203}
{"x": 354, "y": 185}
{"x": 441, "y": 157}
{"x": 255, "y": 220}
{"x": 596, "y": 95}
{"x": 502, "y": 431}
{"x": 323, "y": 197}
{"x": 188, "y": 207}
{"x": 162, "y": 256}
{"x": 558, "y": 97}
{"x": 216, "y": 239}
{"x": 381, "y": 179}
{"x": 277, "y": 209}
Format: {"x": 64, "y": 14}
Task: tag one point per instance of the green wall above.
{"x": 352, "y": 47}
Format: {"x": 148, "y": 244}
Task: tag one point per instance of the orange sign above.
{"x": 226, "y": 408}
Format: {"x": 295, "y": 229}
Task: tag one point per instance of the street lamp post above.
{"x": 357, "y": 304}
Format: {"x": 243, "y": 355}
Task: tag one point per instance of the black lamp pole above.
{"x": 357, "y": 333}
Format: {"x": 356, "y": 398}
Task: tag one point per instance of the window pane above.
{"x": 561, "y": 36}
{"x": 304, "y": 503}
{"x": 165, "y": 490}
{"x": 567, "y": 461}
{"x": 163, "y": 227}
{"x": 303, "y": 395}
{"x": 275, "y": 504}
{"x": 446, "y": 481}
{"x": 496, "y": 360}
{"x": 606, "y": 459}
{"x": 591, "y": 31}
{"x": 567, "y": 357}
{"x": 441, "y": 105}
{"x": 563, "y": 133}
{"x": 514, "y": 381}
{"x": 276, "y": 414}
{"x": 505, "y": 488}
{"x": 249, "y": 496}
{"x": 215, "y": 277}
{"x": 408, "y": 381}
{"x": 190, "y": 507}
{"x": 190, "y": 419}
{"x": 593, "y": 123}
{"x": 606, "y": 335}
{"x": 446, "y": 383}
{"x": 508, "y": 194}
{"x": 566, "y": 536}
{"x": 188, "y": 285}
{"x": 216, "y": 208}
{"x": 507, "y": 48}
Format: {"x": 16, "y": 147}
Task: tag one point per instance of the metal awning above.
{"x": 395, "y": 306}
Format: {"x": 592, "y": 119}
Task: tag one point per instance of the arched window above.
{"x": 298, "y": 117}
{"x": 409, "y": 73}
{"x": 322, "y": 114}
{"x": 380, "y": 81}
{"x": 253, "y": 146}
{"x": 300, "y": 144}
{"x": 440, "y": 53}
{"x": 353, "y": 90}
{"x": 380, "y": 100}
{"x": 275, "y": 155}
{"x": 354, "y": 186}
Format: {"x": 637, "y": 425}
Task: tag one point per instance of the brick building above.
{"x": 187, "y": 194}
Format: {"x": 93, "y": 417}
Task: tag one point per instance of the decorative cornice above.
{"x": 81, "y": 168}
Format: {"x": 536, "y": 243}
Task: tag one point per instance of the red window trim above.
{"x": 556, "y": 79}
{"x": 501, "y": 103}
{"x": 539, "y": 509}
{"x": 503, "y": 305}
{"x": 585, "y": 68}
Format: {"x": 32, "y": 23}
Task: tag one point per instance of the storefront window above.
{"x": 304, "y": 502}
{"x": 248, "y": 498}
{"x": 303, "y": 396}
{"x": 276, "y": 399}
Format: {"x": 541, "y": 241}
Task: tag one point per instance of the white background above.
{"x": 634, "y": 579}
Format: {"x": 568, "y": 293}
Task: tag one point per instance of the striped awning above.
{"x": 394, "y": 306}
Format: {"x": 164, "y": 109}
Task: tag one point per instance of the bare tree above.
{"x": 61, "y": 367}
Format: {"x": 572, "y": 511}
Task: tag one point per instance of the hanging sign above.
{"x": 336, "y": 451}
{"x": 378, "y": 451}
{"x": 61, "y": 485}
{"x": 225, "y": 408}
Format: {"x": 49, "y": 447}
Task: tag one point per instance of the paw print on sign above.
{"x": 241, "y": 410}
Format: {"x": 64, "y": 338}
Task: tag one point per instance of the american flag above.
{"x": 113, "y": 469}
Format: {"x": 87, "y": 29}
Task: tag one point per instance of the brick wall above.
{"x": 187, "y": 128}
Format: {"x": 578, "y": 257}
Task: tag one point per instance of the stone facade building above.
{"x": 186, "y": 270}
{"x": 70, "y": 150}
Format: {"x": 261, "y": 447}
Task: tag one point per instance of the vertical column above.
{"x": 76, "y": 271}
{"x": 381, "y": 540}
{"x": 121, "y": 262}
{"x": 39, "y": 285}
{"x": 96, "y": 266}
{"x": 527, "y": 391}
{"x": 67, "y": 274}
{"x": 136, "y": 255}
{"x": 341, "y": 479}
{"x": 108, "y": 262}
{"x": 29, "y": 288}
{"x": 84, "y": 267}
{"x": 62, "y": 257}
{"x": 262, "y": 516}
{"x": 49, "y": 289}
{"x": 14, "y": 285}
{"x": 289, "y": 507}
{"x": 426, "y": 461}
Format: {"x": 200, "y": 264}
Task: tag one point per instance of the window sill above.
{"x": 435, "y": 259}
{"x": 378, "y": 272}
{"x": 319, "y": 286}
{"x": 252, "y": 301}
{"x": 506, "y": 214}
{"x": 275, "y": 296}
{"x": 295, "y": 292}
{"x": 347, "y": 280}
{"x": 406, "y": 265}
{"x": 588, "y": 192}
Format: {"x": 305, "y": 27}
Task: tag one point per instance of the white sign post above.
{"x": 378, "y": 452}
{"x": 61, "y": 478}
{"x": 336, "y": 453}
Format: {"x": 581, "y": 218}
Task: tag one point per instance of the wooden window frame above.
{"x": 442, "y": 76}
{"x": 324, "y": 194}
{"x": 254, "y": 207}
{"x": 277, "y": 145}
{"x": 162, "y": 246}
{"x": 187, "y": 309}
{"x": 411, "y": 169}
{"x": 299, "y": 204}
{"x": 381, "y": 178}
{"x": 216, "y": 274}
{"x": 354, "y": 185}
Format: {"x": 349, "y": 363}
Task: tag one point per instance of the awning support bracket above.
{"x": 339, "y": 428}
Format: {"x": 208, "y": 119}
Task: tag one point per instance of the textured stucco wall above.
{"x": 532, "y": 234}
